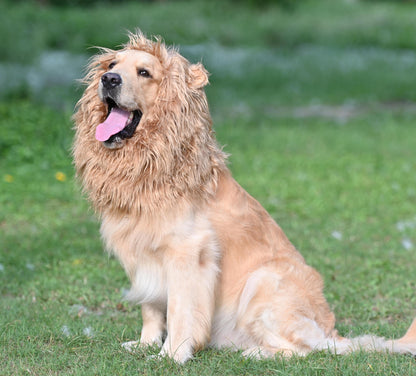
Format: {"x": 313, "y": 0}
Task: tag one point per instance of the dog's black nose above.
{"x": 111, "y": 80}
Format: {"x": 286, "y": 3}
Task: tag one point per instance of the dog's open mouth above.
{"x": 118, "y": 126}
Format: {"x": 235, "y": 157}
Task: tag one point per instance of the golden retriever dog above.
{"x": 207, "y": 263}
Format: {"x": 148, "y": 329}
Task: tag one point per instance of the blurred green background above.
{"x": 315, "y": 100}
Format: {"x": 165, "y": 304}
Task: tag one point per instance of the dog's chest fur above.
{"x": 148, "y": 247}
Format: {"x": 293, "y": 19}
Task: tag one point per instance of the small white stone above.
{"x": 337, "y": 235}
{"x": 88, "y": 332}
{"x": 78, "y": 309}
{"x": 65, "y": 331}
{"x": 401, "y": 226}
{"x": 407, "y": 244}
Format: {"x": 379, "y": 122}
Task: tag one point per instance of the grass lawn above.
{"x": 319, "y": 120}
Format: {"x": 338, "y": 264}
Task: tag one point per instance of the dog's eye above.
{"x": 112, "y": 65}
{"x": 143, "y": 73}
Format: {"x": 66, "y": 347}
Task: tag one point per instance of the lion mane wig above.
{"x": 173, "y": 153}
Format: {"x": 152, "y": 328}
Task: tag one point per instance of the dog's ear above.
{"x": 198, "y": 76}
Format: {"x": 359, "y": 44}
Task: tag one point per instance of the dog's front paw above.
{"x": 182, "y": 354}
{"x": 131, "y": 346}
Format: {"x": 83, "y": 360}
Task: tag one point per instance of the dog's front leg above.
{"x": 191, "y": 279}
{"x": 154, "y": 325}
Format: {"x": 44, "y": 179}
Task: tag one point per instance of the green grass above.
{"x": 320, "y": 130}
{"x": 313, "y": 176}
{"x": 327, "y": 22}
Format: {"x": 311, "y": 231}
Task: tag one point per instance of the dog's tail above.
{"x": 404, "y": 345}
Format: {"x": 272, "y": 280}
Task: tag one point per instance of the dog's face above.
{"x": 132, "y": 80}
{"x": 129, "y": 87}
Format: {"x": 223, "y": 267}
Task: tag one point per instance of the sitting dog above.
{"x": 207, "y": 263}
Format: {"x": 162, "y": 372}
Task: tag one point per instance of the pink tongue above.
{"x": 115, "y": 122}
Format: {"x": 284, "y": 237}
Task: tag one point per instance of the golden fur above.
{"x": 206, "y": 262}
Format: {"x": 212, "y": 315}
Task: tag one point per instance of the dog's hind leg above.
{"x": 283, "y": 313}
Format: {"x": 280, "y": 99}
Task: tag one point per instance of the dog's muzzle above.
{"x": 120, "y": 124}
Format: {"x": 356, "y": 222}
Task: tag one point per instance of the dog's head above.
{"x": 143, "y": 129}
{"x": 139, "y": 84}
